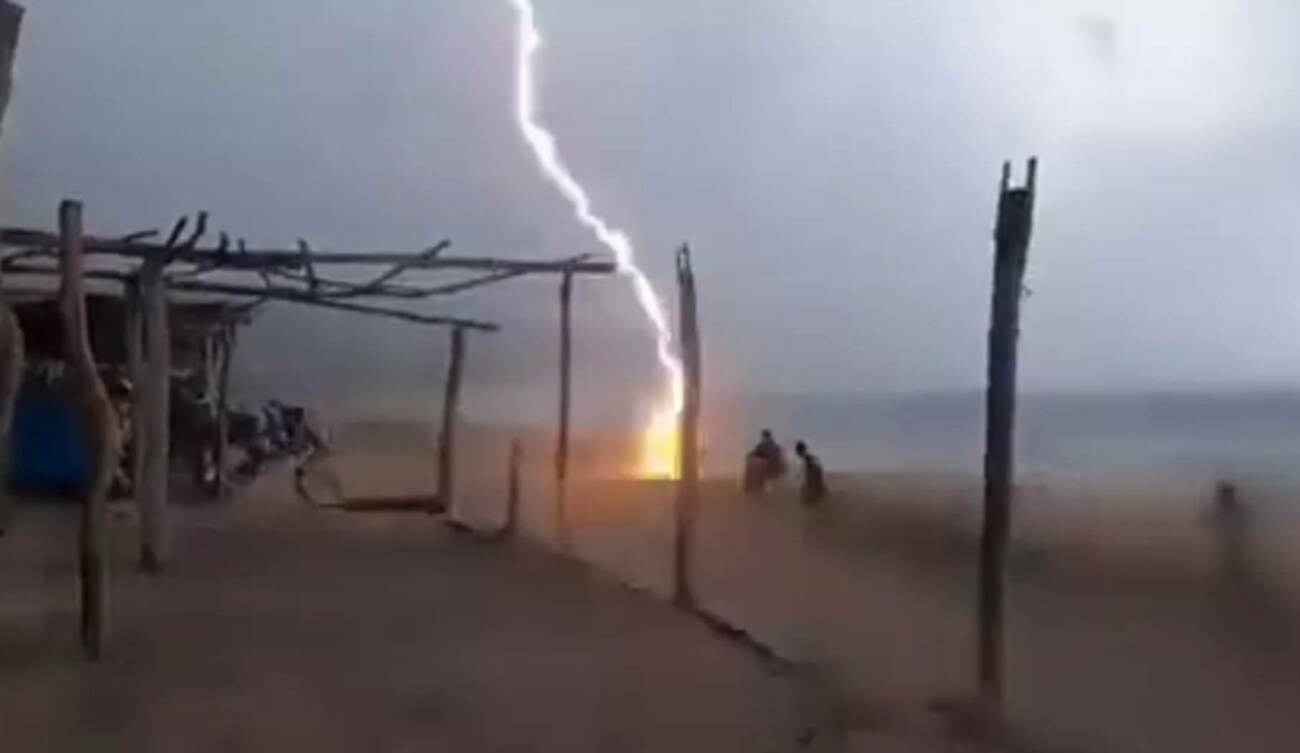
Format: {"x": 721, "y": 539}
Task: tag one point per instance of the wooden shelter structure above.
{"x": 149, "y": 272}
{"x": 147, "y": 331}
{"x": 145, "y": 323}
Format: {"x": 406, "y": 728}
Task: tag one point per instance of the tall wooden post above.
{"x": 156, "y": 403}
{"x": 566, "y": 357}
{"x": 12, "y": 365}
{"x": 688, "y": 434}
{"x": 202, "y": 436}
{"x": 1014, "y": 224}
{"x": 225, "y": 352}
{"x": 135, "y": 363}
{"x": 562, "y": 439}
{"x": 447, "y": 441}
{"x": 97, "y": 414}
{"x": 12, "y": 350}
{"x": 513, "y": 489}
{"x": 11, "y": 22}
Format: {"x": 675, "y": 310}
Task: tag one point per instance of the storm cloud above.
{"x": 833, "y": 164}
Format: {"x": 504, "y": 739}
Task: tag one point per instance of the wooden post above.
{"x": 688, "y": 434}
{"x": 562, "y": 440}
{"x": 97, "y": 414}
{"x": 1014, "y": 224}
{"x": 12, "y": 350}
{"x": 199, "y": 438}
{"x": 156, "y": 403}
{"x": 135, "y": 362}
{"x": 12, "y": 365}
{"x": 447, "y": 441}
{"x": 566, "y": 357}
{"x": 512, "y": 492}
{"x": 225, "y": 352}
{"x": 11, "y": 22}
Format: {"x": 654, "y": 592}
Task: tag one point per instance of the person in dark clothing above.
{"x": 1230, "y": 521}
{"x": 764, "y": 464}
{"x": 771, "y": 453}
{"x": 814, "y": 478}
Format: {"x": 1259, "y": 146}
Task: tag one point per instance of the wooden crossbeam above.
{"x": 296, "y": 259}
{"x": 398, "y": 269}
{"x": 281, "y": 294}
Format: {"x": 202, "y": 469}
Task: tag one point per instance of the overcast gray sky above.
{"x": 832, "y": 162}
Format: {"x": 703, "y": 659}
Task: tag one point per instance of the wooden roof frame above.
{"x": 288, "y": 276}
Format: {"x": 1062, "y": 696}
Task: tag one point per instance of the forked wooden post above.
{"x": 447, "y": 440}
{"x": 688, "y": 440}
{"x": 155, "y": 400}
{"x": 97, "y": 414}
{"x": 12, "y": 350}
{"x": 1012, "y": 233}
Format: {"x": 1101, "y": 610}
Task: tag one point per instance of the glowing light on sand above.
{"x": 659, "y": 446}
{"x": 659, "y": 438}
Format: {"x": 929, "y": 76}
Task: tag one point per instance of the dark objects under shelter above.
{"x": 49, "y": 450}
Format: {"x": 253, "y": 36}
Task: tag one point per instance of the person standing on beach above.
{"x": 768, "y": 451}
{"x": 764, "y": 464}
{"x": 1229, "y": 519}
{"x": 814, "y": 478}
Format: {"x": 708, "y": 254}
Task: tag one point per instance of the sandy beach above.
{"x": 1133, "y": 624}
{"x": 280, "y": 627}
{"x": 321, "y": 630}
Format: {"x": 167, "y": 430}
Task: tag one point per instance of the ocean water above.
{"x": 1182, "y": 434}
{"x": 1187, "y": 436}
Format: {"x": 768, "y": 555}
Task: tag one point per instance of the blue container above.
{"x": 49, "y": 450}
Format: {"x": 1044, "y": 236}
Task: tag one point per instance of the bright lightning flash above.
{"x": 659, "y": 439}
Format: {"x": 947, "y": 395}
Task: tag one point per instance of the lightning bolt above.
{"x": 554, "y": 169}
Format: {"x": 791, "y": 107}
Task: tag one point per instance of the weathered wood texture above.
{"x": 688, "y": 433}
{"x": 447, "y": 439}
{"x": 154, "y": 394}
{"x": 11, "y": 333}
{"x": 97, "y": 414}
{"x": 1012, "y": 233}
